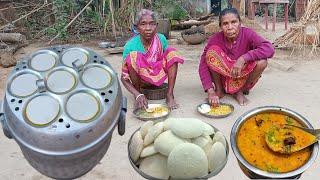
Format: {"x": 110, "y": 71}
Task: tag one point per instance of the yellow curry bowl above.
{"x": 255, "y": 158}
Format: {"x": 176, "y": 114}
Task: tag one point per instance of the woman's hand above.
{"x": 141, "y": 101}
{"x": 237, "y": 67}
{"x": 213, "y": 98}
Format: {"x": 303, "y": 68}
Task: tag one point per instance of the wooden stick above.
{"x": 71, "y": 22}
{"x": 24, "y": 16}
{"x": 17, "y": 7}
{"x": 112, "y": 18}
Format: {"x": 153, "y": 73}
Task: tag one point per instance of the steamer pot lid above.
{"x": 24, "y": 85}
{"x": 72, "y": 55}
{"x": 42, "y": 110}
{"x": 82, "y": 106}
{"x": 43, "y": 62}
{"x": 96, "y": 77}
{"x": 61, "y": 81}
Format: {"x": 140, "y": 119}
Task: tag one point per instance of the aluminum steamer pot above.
{"x": 253, "y": 172}
{"x": 61, "y": 106}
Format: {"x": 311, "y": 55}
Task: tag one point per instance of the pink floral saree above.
{"x": 151, "y": 66}
{"x": 220, "y": 63}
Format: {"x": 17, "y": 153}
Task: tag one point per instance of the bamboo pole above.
{"x": 112, "y": 18}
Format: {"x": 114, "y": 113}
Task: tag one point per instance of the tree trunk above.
{"x": 13, "y": 38}
{"x": 52, "y": 18}
{"x": 112, "y": 18}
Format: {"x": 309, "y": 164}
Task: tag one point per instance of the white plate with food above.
{"x": 152, "y": 112}
{"x": 220, "y": 111}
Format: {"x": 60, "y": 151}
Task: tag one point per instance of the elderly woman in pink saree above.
{"x": 233, "y": 60}
{"x": 149, "y": 61}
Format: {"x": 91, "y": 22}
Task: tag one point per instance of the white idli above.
{"x": 218, "y": 137}
{"x": 187, "y": 161}
{"x": 148, "y": 151}
{"x": 216, "y": 156}
{"x": 136, "y": 146}
{"x": 208, "y": 130}
{"x": 166, "y": 141}
{"x": 155, "y": 166}
{"x": 153, "y": 133}
{"x": 186, "y": 127}
{"x": 145, "y": 127}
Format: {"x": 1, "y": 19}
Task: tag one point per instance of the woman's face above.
{"x": 230, "y": 26}
{"x": 147, "y": 27}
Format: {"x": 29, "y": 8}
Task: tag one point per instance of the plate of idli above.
{"x": 178, "y": 148}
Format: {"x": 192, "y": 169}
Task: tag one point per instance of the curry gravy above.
{"x": 253, "y": 148}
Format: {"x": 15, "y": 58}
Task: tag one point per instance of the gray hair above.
{"x": 144, "y": 12}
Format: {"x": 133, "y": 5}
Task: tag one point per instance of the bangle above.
{"x": 139, "y": 96}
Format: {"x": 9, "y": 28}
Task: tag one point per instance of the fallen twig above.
{"x": 17, "y": 7}
{"x": 24, "y": 16}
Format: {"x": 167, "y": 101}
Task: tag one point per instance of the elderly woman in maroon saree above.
{"x": 149, "y": 61}
{"x": 233, "y": 60}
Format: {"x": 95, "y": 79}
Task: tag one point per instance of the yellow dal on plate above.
{"x": 253, "y": 147}
{"x": 155, "y": 112}
{"x": 220, "y": 110}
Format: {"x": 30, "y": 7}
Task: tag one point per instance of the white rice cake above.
{"x": 153, "y": 133}
{"x": 166, "y": 142}
{"x": 155, "y": 166}
{"x": 208, "y": 130}
{"x": 187, "y": 161}
{"x": 136, "y": 146}
{"x": 186, "y": 127}
{"x": 205, "y": 142}
{"x": 218, "y": 137}
{"x": 148, "y": 151}
{"x": 145, "y": 127}
{"x": 217, "y": 156}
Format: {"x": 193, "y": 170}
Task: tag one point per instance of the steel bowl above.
{"x": 253, "y": 172}
{"x": 211, "y": 174}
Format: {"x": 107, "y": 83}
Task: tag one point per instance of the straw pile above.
{"x": 306, "y": 31}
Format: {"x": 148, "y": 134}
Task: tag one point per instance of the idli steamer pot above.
{"x": 61, "y": 106}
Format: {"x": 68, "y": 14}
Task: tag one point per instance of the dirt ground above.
{"x": 289, "y": 81}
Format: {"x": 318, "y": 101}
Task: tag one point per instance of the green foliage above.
{"x": 51, "y": 20}
{"x": 170, "y": 9}
{"x": 63, "y": 9}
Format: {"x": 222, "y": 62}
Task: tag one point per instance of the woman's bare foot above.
{"x": 171, "y": 102}
{"x": 242, "y": 100}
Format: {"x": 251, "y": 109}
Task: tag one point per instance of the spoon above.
{"x": 288, "y": 139}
